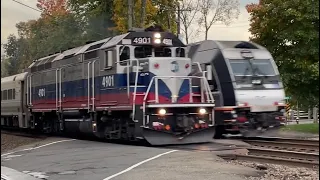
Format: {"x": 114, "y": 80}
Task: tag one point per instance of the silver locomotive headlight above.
{"x": 202, "y": 111}
{"x": 157, "y": 35}
{"x": 162, "y": 112}
{"x": 157, "y": 41}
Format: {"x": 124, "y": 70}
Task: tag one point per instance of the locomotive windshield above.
{"x": 147, "y": 51}
{"x": 252, "y": 67}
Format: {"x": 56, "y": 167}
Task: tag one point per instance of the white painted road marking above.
{"x": 138, "y": 164}
{"x": 29, "y": 149}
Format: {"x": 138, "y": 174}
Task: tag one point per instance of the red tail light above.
{"x": 156, "y": 65}
{"x": 242, "y": 119}
{"x": 276, "y": 103}
{"x": 187, "y": 66}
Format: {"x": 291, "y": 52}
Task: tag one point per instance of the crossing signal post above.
{"x": 288, "y": 107}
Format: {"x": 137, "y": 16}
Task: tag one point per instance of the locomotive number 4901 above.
{"x": 142, "y": 40}
{"x": 107, "y": 81}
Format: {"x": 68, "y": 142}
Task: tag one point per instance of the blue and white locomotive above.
{"x": 131, "y": 86}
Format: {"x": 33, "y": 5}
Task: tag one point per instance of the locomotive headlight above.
{"x": 202, "y": 111}
{"x": 157, "y": 41}
{"x": 157, "y": 35}
{"x": 162, "y": 112}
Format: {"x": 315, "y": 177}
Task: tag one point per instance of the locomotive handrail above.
{"x": 93, "y": 90}
{"x": 88, "y": 85}
{"x": 60, "y": 88}
{"x": 29, "y": 90}
{"x": 135, "y": 83}
{"x": 210, "y": 98}
{"x": 199, "y": 66}
{"x": 57, "y": 86}
{"x": 181, "y": 77}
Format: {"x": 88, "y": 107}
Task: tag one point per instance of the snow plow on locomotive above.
{"x": 245, "y": 83}
{"x": 131, "y": 86}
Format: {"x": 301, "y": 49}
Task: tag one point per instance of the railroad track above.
{"x": 296, "y": 152}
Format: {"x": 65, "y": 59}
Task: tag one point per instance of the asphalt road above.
{"x": 83, "y": 160}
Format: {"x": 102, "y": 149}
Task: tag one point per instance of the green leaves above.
{"x": 289, "y": 29}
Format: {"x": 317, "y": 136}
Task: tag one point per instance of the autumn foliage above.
{"x": 52, "y": 7}
{"x": 289, "y": 29}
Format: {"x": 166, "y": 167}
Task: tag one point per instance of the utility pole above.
{"x": 130, "y": 15}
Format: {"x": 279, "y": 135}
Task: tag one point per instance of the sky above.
{"x": 13, "y": 13}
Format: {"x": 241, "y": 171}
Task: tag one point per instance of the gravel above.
{"x": 281, "y": 172}
{"x": 10, "y": 142}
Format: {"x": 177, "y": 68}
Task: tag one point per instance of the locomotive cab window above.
{"x": 143, "y": 51}
{"x": 124, "y": 56}
{"x": 180, "y": 52}
{"x": 162, "y": 52}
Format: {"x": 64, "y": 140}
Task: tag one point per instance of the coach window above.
{"x": 9, "y": 94}
{"x": 124, "y": 56}
{"x": 180, "y": 52}
{"x": 108, "y": 59}
{"x": 13, "y": 93}
{"x": 162, "y": 52}
{"x": 5, "y": 94}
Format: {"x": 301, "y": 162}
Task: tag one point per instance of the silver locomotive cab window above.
{"x": 143, "y": 51}
{"x": 162, "y": 52}
{"x": 125, "y": 56}
{"x": 180, "y": 52}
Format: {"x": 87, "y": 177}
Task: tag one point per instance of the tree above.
{"x": 121, "y": 14}
{"x": 57, "y": 29}
{"x": 4, "y": 65}
{"x": 96, "y": 17}
{"x": 12, "y": 49}
{"x": 289, "y": 29}
{"x": 187, "y": 17}
{"x": 52, "y": 7}
{"x": 166, "y": 14}
{"x": 213, "y": 11}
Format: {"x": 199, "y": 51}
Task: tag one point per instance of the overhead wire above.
{"x": 46, "y": 13}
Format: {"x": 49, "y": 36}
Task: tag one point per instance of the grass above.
{"x": 305, "y": 128}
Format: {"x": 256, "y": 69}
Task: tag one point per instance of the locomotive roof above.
{"x": 205, "y": 51}
{"x": 103, "y": 44}
{"x": 219, "y": 44}
{"x": 16, "y": 77}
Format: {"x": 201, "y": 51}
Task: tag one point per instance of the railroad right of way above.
{"x": 285, "y": 151}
